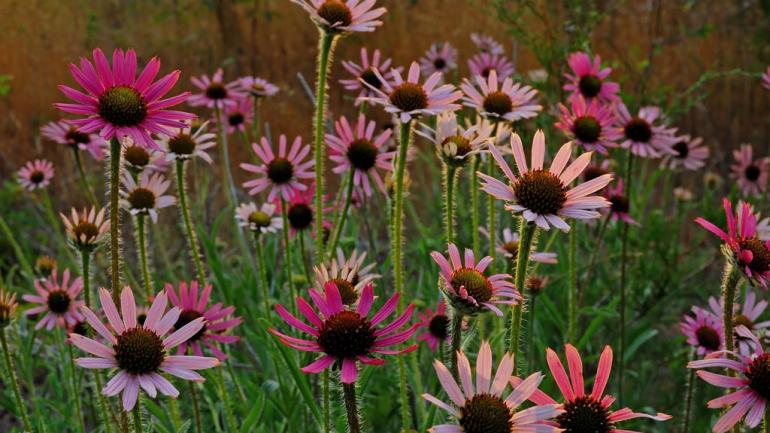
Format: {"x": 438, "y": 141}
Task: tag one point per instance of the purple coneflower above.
{"x": 689, "y": 153}
{"x": 508, "y": 246}
{"x": 589, "y": 80}
{"x": 145, "y": 197}
{"x": 236, "y": 116}
{"x": 87, "y": 229}
{"x": 259, "y": 220}
{"x": 454, "y": 143}
{"x": 500, "y": 102}
{"x": 620, "y": 205}
{"x": 257, "y": 87}
{"x": 436, "y": 324}
{"x": 483, "y": 64}
{"x": 338, "y": 16}
{"x": 283, "y": 172}
{"x": 750, "y": 173}
{"x": 642, "y": 135}
{"x": 440, "y": 57}
{"x": 348, "y": 273}
{"x": 487, "y": 44}
{"x": 365, "y": 73}
{"x": 745, "y": 315}
{"x": 35, "y": 174}
{"x": 185, "y": 144}
{"x": 703, "y": 330}
{"x": 590, "y": 124}
{"x": 299, "y": 210}
{"x": 63, "y": 133}
{"x": 58, "y": 300}
{"x": 214, "y": 92}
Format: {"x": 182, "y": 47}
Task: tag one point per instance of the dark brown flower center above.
{"x": 141, "y": 198}
{"x": 80, "y": 328}
{"x": 409, "y": 97}
{"x": 280, "y": 170}
{"x": 37, "y": 176}
{"x": 511, "y": 248}
{"x": 592, "y": 172}
{"x": 637, "y": 129}
{"x": 485, "y": 413}
{"x": 619, "y": 204}
{"x": 59, "y": 301}
{"x": 439, "y": 64}
{"x": 462, "y": 144}
{"x": 216, "y": 91}
{"x": 136, "y": 156}
{"x": 740, "y": 319}
{"x": 346, "y": 335}
{"x": 760, "y": 262}
{"x": 498, "y": 103}
{"x": 45, "y": 265}
{"x": 139, "y": 351}
{"x": 182, "y": 144}
{"x": 362, "y": 154}
{"x": 681, "y": 149}
{"x": 186, "y": 317}
{"x": 488, "y": 70}
{"x": 590, "y": 86}
{"x": 259, "y": 218}
{"x": 752, "y": 173}
{"x": 371, "y": 78}
{"x": 474, "y": 282}
{"x": 85, "y": 230}
{"x": 540, "y": 191}
{"x": 585, "y": 415}
{"x": 122, "y": 106}
{"x": 758, "y": 374}
{"x": 235, "y": 119}
{"x": 75, "y": 137}
{"x": 587, "y": 129}
{"x": 335, "y": 12}
{"x": 535, "y": 285}
{"x": 708, "y": 338}
{"x": 300, "y": 216}
{"x": 347, "y": 291}
{"x": 439, "y": 326}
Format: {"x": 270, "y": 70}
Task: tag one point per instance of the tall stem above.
{"x": 688, "y": 393}
{"x": 225, "y": 153}
{"x": 74, "y": 384}
{"x": 23, "y": 262}
{"x": 572, "y": 294}
{"x": 141, "y": 239}
{"x": 457, "y": 337}
{"x": 287, "y": 251}
{"x": 196, "y": 407}
{"x": 531, "y": 330}
{"x": 351, "y": 407}
{"x": 343, "y": 216}
{"x": 229, "y": 415}
{"x": 325, "y": 48}
{"x": 492, "y": 214}
{"x": 730, "y": 278}
{"x": 326, "y": 402}
{"x": 624, "y": 278}
{"x": 83, "y": 179}
{"x": 115, "y": 262}
{"x": 85, "y": 271}
{"x": 138, "y": 423}
{"x": 303, "y": 257}
{"x": 9, "y": 367}
{"x": 398, "y": 210}
{"x": 475, "y": 217}
{"x": 450, "y": 179}
{"x": 184, "y": 208}
{"x": 526, "y": 237}
{"x": 264, "y": 284}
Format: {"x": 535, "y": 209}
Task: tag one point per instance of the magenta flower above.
{"x": 236, "y": 116}
{"x": 257, "y": 87}
{"x": 500, "y": 102}
{"x": 642, "y": 135}
{"x": 348, "y": 273}
{"x": 704, "y": 331}
{"x": 283, "y": 172}
{"x": 741, "y": 244}
{"x": 63, "y": 133}
{"x": 409, "y": 99}
{"x": 140, "y": 352}
{"x": 690, "y": 153}
{"x": 583, "y": 412}
{"x": 35, "y": 174}
{"x": 300, "y": 212}
{"x": 484, "y": 63}
{"x": 345, "y": 336}
{"x": 218, "y": 320}
{"x": 118, "y": 103}
{"x": 356, "y": 148}
{"x": 214, "y": 92}
{"x": 436, "y": 324}
{"x": 590, "y": 124}
{"x": 466, "y": 286}
{"x": 365, "y": 73}
{"x": 483, "y": 407}
{"x": 487, "y": 44}
{"x": 343, "y": 16}
{"x": 745, "y": 315}
{"x": 589, "y": 80}
{"x": 750, "y": 173}
{"x": 58, "y": 300}
{"x": 440, "y": 57}
{"x": 620, "y": 205}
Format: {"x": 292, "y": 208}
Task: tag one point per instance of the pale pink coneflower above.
{"x": 487, "y": 44}
{"x": 589, "y": 80}
{"x": 259, "y": 220}
{"x": 35, "y": 174}
{"x": 440, "y": 57}
{"x": 257, "y": 87}
{"x": 86, "y": 230}
{"x": 689, "y": 153}
{"x": 348, "y": 273}
{"x": 409, "y": 99}
{"x": 140, "y": 352}
{"x": 145, "y": 197}
{"x": 345, "y": 336}
{"x": 468, "y": 288}
{"x": 750, "y": 174}
{"x": 620, "y": 205}
{"x": 283, "y": 172}
{"x": 218, "y": 320}
{"x": 57, "y": 299}
{"x": 63, "y": 133}
{"x": 454, "y": 143}
{"x": 590, "y": 124}
{"x": 747, "y": 315}
{"x": 343, "y": 16}
{"x": 235, "y": 117}
{"x": 215, "y": 92}
{"x": 365, "y": 73}
{"x": 483, "y": 64}
{"x": 508, "y": 246}
{"x": 436, "y": 324}
{"x": 483, "y": 405}
{"x": 120, "y": 104}
{"x": 186, "y": 144}
{"x": 500, "y": 102}
{"x": 545, "y": 196}
{"x": 703, "y": 330}
{"x": 355, "y": 147}
{"x": 643, "y": 135}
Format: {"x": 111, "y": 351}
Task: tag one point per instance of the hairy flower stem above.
{"x": 531, "y": 330}
{"x": 23, "y": 262}
{"x": 688, "y": 394}
{"x": 83, "y": 179}
{"x": 9, "y": 367}
{"x": 229, "y": 415}
{"x": 138, "y": 423}
{"x": 475, "y": 217}
{"x": 526, "y": 237}
{"x": 325, "y": 53}
{"x": 351, "y": 407}
{"x": 572, "y": 295}
{"x": 74, "y": 383}
{"x": 457, "y": 338}
{"x": 141, "y": 239}
{"x": 184, "y": 208}
{"x": 766, "y": 421}
{"x": 115, "y": 262}
{"x": 450, "y": 182}
{"x": 624, "y": 278}
{"x": 397, "y": 218}
{"x": 303, "y": 257}
{"x": 104, "y": 412}
{"x": 287, "y": 252}
{"x": 196, "y": 407}
{"x": 263, "y": 283}
{"x": 85, "y": 271}
{"x": 492, "y": 215}
{"x": 326, "y": 402}
{"x": 731, "y": 276}
{"x": 340, "y": 223}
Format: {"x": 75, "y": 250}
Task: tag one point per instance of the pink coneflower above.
{"x": 86, "y": 229}
{"x": 217, "y": 319}
{"x": 214, "y": 92}
{"x": 259, "y": 220}
{"x": 238, "y": 115}
{"x": 338, "y": 16}
{"x": 345, "y": 336}
{"x": 766, "y": 78}
{"x": 58, "y": 300}
{"x": 744, "y": 315}
{"x": 140, "y": 352}
{"x": 750, "y": 173}
{"x": 741, "y": 244}
{"x": 466, "y": 286}
{"x": 642, "y": 136}
{"x": 589, "y": 80}
{"x": 356, "y": 148}
{"x": 487, "y": 44}
{"x": 348, "y": 273}
{"x": 440, "y": 57}
{"x": 257, "y": 87}
{"x": 283, "y": 172}
{"x": 585, "y": 412}
{"x": 544, "y": 196}
{"x": 410, "y": 99}
{"x": 748, "y": 391}
{"x": 35, "y": 174}
{"x": 454, "y": 143}
{"x": 507, "y": 101}
{"x": 590, "y": 124}
{"x": 146, "y": 197}
{"x": 185, "y": 144}
{"x": 135, "y": 157}
{"x": 365, "y": 73}
{"x": 703, "y": 331}
{"x": 689, "y": 153}
{"x": 118, "y": 103}
{"x": 763, "y": 224}
{"x": 300, "y": 210}
{"x": 484, "y": 63}
{"x": 483, "y": 407}
{"x": 508, "y": 246}
{"x": 436, "y": 324}
{"x": 620, "y": 205}
{"x": 63, "y": 133}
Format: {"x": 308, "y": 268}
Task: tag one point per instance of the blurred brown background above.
{"x": 275, "y": 39}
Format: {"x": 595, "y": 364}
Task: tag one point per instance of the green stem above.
{"x": 343, "y": 216}
{"x": 326, "y": 402}
{"x": 287, "y": 251}
{"x": 196, "y": 407}
{"x": 23, "y": 262}
{"x": 403, "y": 394}
{"x": 492, "y": 215}
{"x": 766, "y": 421}
{"x": 730, "y": 279}
{"x": 225, "y": 153}
{"x": 398, "y": 211}
{"x": 83, "y": 179}
{"x": 572, "y": 295}
{"x": 192, "y": 239}
{"x": 229, "y": 415}
{"x": 115, "y": 263}
{"x": 85, "y": 269}
{"x": 107, "y": 421}
{"x": 303, "y": 257}
{"x": 351, "y": 407}
{"x": 688, "y": 394}
{"x": 325, "y": 49}
{"x": 414, "y": 361}
{"x": 141, "y": 239}
{"x": 475, "y": 217}
{"x": 176, "y": 418}
{"x": 526, "y": 237}
{"x": 138, "y": 423}
{"x": 623, "y": 279}
{"x": 531, "y": 331}
{"x": 75, "y": 386}
{"x": 9, "y": 367}
{"x": 262, "y": 274}
{"x": 450, "y": 179}
{"x": 457, "y": 337}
